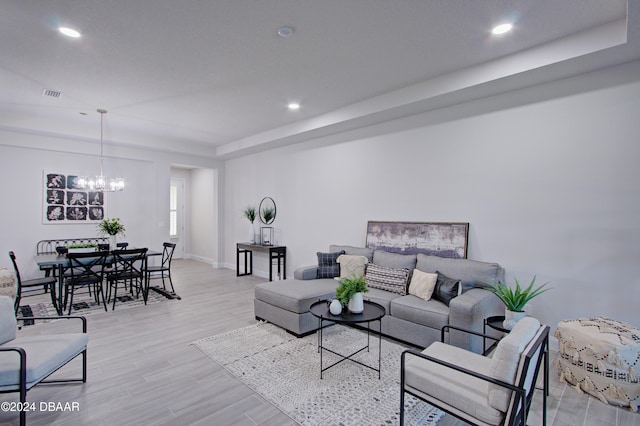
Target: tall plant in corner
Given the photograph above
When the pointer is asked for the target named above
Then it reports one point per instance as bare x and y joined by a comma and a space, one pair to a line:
515, 300
250, 213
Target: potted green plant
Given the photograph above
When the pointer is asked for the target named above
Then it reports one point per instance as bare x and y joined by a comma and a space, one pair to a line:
81, 247
515, 300
349, 293
112, 228
250, 213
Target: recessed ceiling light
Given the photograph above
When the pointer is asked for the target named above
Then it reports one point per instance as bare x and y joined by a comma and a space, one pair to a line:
285, 31
69, 32
502, 28
293, 106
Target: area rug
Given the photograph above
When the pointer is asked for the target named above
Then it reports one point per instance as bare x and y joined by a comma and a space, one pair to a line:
285, 370
84, 304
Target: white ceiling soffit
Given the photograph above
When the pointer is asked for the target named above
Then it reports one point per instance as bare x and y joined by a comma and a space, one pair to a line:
213, 79
456, 87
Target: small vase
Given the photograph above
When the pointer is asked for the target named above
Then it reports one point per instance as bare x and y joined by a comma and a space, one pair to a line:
356, 304
252, 233
113, 242
335, 307
511, 318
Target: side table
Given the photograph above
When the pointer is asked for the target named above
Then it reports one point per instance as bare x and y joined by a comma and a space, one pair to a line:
278, 253
495, 323
372, 312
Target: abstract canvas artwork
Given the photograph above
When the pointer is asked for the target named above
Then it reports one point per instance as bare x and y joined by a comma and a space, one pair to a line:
64, 202
442, 239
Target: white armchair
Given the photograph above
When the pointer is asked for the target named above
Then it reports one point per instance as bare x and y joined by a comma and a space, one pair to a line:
480, 390
26, 361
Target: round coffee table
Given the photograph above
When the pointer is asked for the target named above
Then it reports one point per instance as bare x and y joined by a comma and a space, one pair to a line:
372, 312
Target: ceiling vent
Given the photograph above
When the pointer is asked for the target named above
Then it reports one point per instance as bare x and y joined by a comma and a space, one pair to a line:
51, 93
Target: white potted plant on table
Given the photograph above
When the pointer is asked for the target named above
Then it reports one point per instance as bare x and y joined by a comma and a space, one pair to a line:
250, 213
515, 300
112, 228
350, 292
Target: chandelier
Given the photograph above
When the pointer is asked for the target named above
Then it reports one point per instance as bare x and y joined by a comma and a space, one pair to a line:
101, 182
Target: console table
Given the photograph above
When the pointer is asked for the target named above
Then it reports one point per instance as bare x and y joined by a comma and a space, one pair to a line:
278, 253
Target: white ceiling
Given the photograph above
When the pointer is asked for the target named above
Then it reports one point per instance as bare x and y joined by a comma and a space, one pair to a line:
213, 78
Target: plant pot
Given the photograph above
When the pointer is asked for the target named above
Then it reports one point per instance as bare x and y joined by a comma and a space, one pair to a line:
356, 304
511, 318
335, 307
252, 233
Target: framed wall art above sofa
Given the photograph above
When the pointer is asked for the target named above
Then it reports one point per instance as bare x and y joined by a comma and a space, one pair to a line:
443, 239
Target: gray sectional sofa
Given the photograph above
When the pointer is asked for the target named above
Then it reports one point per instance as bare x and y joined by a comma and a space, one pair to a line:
409, 318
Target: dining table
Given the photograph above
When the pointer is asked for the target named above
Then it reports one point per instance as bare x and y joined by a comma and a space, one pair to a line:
60, 262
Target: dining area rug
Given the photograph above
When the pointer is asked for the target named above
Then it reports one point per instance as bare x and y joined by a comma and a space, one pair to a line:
84, 304
285, 370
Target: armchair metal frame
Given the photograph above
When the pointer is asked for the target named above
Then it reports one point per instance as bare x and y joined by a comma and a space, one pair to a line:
522, 397
22, 387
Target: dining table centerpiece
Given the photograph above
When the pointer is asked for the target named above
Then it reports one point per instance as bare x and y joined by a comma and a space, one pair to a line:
111, 227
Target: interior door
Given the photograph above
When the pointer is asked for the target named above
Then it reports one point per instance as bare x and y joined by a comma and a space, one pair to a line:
176, 216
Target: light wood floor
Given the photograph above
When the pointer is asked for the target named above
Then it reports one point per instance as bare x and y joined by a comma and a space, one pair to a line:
142, 370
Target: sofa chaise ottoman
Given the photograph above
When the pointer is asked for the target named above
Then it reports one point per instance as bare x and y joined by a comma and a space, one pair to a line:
408, 318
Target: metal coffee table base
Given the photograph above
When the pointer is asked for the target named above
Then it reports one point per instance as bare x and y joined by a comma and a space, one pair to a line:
322, 348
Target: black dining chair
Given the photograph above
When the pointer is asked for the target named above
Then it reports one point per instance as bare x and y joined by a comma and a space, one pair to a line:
48, 284
163, 269
86, 270
128, 269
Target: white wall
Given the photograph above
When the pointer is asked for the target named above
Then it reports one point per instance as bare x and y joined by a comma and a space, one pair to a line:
203, 216
547, 177
143, 206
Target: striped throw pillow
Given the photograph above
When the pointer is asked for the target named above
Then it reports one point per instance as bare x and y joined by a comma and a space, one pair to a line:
388, 279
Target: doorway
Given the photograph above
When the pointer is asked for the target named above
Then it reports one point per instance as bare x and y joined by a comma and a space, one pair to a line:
176, 216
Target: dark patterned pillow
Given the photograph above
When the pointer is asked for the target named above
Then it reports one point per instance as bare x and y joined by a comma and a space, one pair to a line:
327, 265
388, 279
446, 288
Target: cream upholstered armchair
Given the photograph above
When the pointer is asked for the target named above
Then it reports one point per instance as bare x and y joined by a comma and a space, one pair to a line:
480, 390
28, 360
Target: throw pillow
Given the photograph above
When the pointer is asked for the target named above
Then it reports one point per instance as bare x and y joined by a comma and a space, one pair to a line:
327, 265
423, 284
351, 266
446, 288
388, 279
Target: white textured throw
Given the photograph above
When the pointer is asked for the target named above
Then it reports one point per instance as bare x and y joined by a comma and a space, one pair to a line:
601, 356
285, 370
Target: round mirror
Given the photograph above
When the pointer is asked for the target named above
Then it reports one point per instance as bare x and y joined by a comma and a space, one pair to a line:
267, 210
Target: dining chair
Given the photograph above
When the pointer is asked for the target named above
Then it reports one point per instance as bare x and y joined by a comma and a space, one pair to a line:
86, 270
163, 269
128, 268
48, 284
